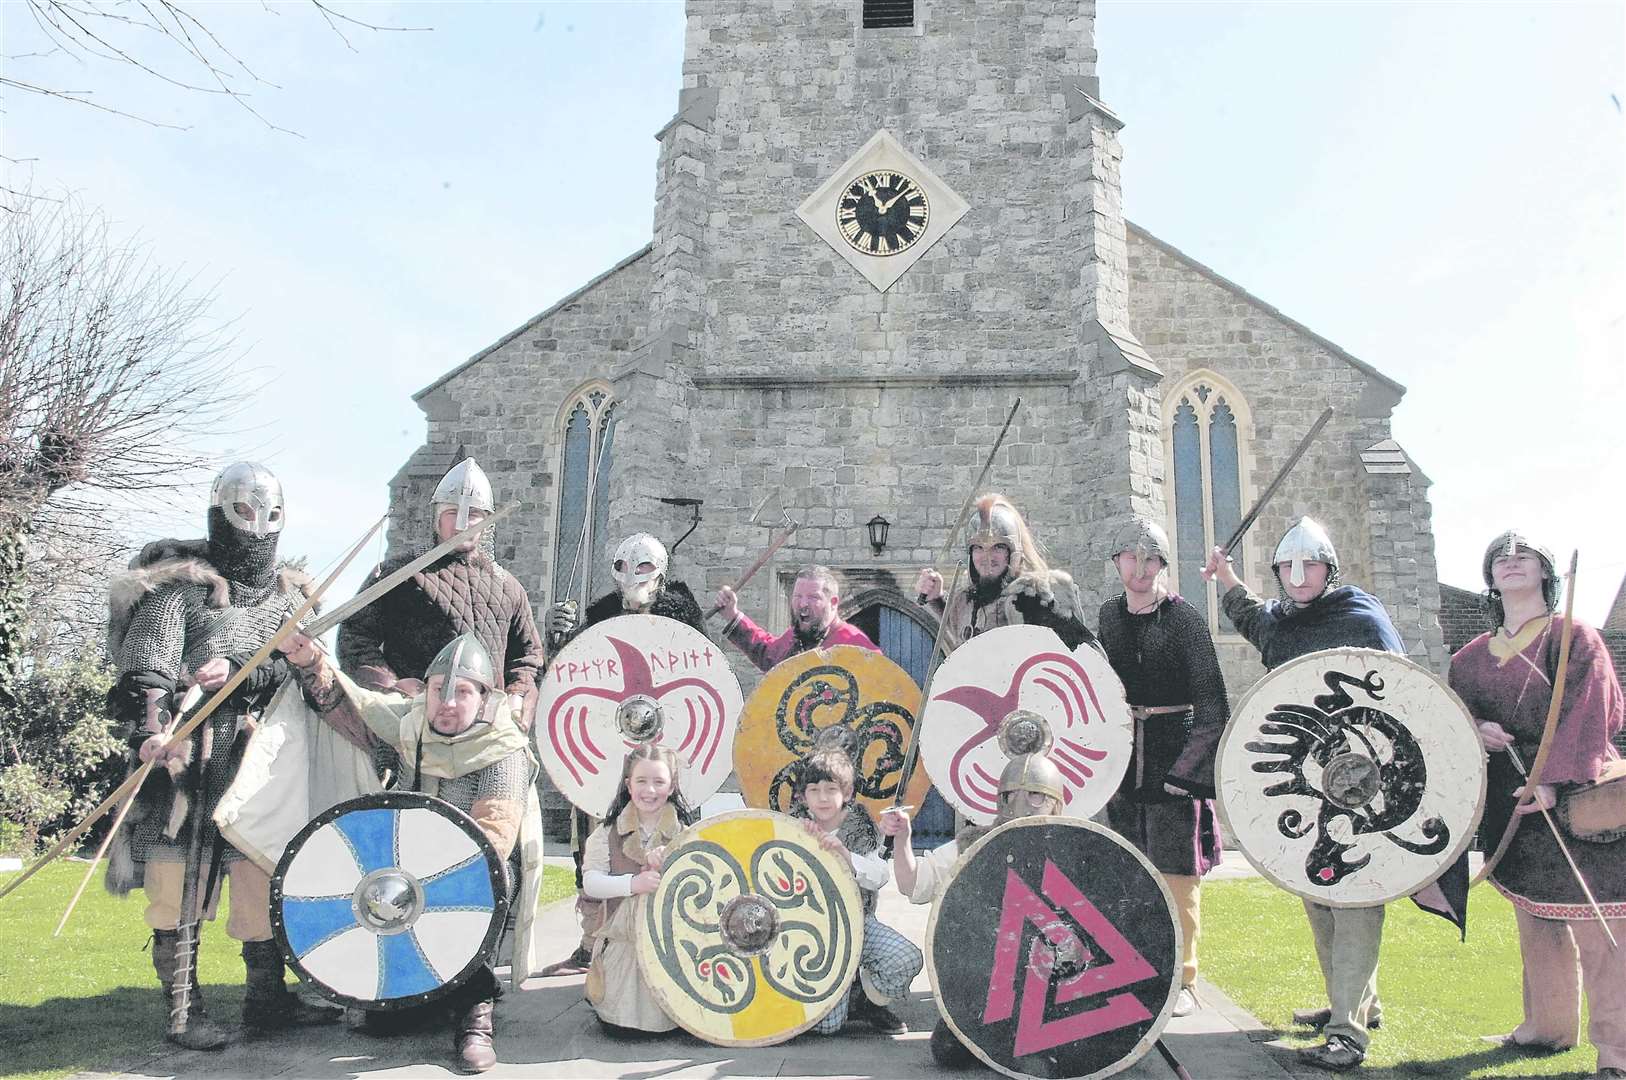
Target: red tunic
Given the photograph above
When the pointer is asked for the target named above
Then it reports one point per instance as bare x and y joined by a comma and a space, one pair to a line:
765, 650
1514, 691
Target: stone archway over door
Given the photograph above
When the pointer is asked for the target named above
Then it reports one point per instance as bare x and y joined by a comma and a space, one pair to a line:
905, 635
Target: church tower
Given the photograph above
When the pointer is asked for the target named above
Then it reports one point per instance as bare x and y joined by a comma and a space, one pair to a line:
877, 224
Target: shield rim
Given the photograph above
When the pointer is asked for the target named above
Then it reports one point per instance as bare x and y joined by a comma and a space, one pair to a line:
1144, 1045
1116, 684
392, 800
832, 656
855, 908
1465, 838
692, 791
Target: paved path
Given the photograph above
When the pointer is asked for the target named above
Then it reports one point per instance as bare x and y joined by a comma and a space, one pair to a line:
547, 1030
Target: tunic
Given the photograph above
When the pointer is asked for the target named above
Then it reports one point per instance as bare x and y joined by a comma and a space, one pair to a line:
764, 650
620, 996
1506, 680
1166, 658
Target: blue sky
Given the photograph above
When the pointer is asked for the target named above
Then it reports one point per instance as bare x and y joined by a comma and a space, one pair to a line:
1439, 188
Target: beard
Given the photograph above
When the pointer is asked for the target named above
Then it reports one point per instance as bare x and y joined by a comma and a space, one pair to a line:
985, 590
639, 597
807, 635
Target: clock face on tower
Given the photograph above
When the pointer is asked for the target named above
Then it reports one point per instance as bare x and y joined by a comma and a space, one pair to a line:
882, 212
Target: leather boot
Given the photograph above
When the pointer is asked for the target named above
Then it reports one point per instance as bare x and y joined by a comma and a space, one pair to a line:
200, 1033
268, 1004
472, 1039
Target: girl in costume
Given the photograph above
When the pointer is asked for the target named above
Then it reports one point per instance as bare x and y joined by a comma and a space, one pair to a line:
622, 859
1506, 679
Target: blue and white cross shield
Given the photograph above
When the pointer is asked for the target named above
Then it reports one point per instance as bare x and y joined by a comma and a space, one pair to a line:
389, 900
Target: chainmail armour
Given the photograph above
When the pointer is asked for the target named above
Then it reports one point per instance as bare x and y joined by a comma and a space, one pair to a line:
174, 630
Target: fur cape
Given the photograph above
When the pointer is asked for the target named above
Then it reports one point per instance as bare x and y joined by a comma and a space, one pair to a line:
167, 562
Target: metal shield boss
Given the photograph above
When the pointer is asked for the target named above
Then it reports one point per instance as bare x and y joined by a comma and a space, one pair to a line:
1351, 777
1054, 951
754, 932
1076, 695
388, 900
629, 680
846, 698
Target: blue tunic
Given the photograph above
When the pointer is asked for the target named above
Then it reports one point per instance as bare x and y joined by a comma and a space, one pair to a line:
1345, 617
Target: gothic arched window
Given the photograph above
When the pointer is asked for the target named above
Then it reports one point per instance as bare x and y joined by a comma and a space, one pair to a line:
1207, 427
587, 445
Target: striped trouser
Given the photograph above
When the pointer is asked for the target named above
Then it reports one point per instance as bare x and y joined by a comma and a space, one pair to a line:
887, 964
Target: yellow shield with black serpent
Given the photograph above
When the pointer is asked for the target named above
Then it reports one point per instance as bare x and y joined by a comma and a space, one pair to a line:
754, 932
846, 697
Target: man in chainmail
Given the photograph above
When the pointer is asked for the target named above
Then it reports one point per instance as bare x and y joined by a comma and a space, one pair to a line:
458, 741
1160, 647
194, 612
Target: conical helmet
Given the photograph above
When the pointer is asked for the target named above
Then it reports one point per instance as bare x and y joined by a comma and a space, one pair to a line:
1031, 772
1146, 539
997, 522
1514, 541
466, 487
1306, 541
464, 657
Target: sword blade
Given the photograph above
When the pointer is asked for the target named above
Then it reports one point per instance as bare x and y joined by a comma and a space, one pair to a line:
1292, 460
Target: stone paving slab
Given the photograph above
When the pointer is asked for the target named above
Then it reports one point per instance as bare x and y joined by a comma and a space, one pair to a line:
546, 1030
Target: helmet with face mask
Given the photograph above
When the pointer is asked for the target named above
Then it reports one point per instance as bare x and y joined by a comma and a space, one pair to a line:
1306, 541
638, 587
1145, 539
465, 487
997, 522
245, 520
464, 657
1024, 774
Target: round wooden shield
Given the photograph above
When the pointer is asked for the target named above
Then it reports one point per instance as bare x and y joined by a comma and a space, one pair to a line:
846, 697
754, 932
1054, 950
388, 900
1351, 777
1076, 693
633, 679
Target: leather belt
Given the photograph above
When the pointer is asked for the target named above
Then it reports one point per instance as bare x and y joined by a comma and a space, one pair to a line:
1141, 712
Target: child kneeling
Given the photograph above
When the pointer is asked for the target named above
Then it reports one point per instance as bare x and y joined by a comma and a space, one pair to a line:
622, 859
889, 961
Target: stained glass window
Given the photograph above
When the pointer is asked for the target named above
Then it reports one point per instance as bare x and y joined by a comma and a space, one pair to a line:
1207, 422
580, 559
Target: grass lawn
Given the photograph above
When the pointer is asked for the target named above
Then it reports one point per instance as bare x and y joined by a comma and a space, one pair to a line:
1439, 995
90, 996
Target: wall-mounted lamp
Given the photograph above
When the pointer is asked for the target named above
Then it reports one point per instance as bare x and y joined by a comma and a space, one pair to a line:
878, 527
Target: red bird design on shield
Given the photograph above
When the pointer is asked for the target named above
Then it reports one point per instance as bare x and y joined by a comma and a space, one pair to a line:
693, 715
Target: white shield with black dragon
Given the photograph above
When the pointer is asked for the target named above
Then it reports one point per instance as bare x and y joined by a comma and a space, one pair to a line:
1073, 710
629, 680
388, 900
1351, 777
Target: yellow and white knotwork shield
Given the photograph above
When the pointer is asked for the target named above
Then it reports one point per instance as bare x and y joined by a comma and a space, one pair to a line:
754, 932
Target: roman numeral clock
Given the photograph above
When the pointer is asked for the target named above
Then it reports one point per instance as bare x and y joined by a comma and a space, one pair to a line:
882, 210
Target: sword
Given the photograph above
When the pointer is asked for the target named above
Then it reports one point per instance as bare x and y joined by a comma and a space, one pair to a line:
322, 623
1580, 879
1293, 459
913, 753
203, 714
186, 942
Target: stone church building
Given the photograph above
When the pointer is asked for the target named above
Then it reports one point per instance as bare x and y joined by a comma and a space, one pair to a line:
877, 223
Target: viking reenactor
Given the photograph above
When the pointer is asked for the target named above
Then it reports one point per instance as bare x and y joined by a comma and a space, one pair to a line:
1160, 647
815, 621
1507, 678
1009, 582
1316, 612
195, 611
1030, 785
623, 859
458, 741
889, 961
387, 646
639, 568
